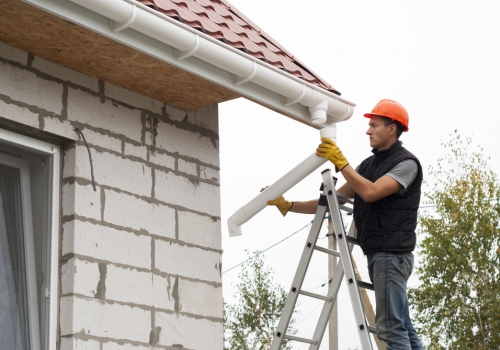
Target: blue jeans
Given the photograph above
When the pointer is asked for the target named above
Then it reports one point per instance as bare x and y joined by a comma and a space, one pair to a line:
389, 273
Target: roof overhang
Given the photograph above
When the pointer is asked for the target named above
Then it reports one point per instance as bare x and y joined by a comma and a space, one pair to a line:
186, 68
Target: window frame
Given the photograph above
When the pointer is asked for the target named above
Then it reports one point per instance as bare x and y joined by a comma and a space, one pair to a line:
54, 154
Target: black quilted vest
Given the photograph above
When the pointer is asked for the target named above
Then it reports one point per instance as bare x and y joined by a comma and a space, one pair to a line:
388, 225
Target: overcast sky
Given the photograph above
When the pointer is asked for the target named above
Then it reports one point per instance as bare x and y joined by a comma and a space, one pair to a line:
440, 59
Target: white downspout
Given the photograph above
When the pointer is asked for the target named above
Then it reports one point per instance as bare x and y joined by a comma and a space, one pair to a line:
286, 182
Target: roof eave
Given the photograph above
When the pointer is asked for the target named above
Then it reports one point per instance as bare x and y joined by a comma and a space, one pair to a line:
131, 23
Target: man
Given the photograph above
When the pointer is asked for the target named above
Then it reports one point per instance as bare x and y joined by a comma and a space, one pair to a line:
386, 191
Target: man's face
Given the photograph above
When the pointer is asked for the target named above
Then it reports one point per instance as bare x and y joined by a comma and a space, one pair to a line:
379, 134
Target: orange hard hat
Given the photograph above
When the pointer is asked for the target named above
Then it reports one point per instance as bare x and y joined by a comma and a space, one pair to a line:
392, 110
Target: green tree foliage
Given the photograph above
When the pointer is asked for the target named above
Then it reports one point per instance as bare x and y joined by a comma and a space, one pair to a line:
250, 324
457, 304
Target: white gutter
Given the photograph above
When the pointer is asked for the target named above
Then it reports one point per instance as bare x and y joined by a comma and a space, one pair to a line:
324, 106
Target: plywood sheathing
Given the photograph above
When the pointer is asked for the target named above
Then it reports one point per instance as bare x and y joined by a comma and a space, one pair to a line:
85, 51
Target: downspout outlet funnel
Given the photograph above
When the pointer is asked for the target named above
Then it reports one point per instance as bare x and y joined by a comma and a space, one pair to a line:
318, 112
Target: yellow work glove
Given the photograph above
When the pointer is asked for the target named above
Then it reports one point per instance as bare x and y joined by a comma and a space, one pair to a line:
281, 203
329, 150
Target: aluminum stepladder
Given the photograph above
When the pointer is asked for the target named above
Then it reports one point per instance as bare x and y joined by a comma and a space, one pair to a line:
328, 199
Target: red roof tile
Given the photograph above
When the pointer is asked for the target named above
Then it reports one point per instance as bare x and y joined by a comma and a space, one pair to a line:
220, 20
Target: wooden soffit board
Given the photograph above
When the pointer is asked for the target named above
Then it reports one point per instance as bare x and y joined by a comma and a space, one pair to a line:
75, 47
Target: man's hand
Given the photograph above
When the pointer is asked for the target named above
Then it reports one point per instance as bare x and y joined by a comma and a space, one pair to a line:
329, 150
281, 203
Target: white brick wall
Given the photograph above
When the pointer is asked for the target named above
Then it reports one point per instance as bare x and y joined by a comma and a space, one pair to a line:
132, 98
114, 171
141, 254
137, 287
188, 261
23, 115
80, 277
24, 86
79, 344
206, 118
13, 54
179, 330
187, 143
102, 140
200, 230
81, 200
194, 195
106, 243
200, 298
162, 159
64, 73
102, 319
129, 211
86, 108
207, 173
187, 167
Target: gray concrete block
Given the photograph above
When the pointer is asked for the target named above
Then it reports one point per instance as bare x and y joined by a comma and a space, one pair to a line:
14, 54
187, 261
106, 243
132, 98
191, 333
187, 143
129, 211
116, 119
200, 230
187, 193
100, 319
80, 277
65, 74
199, 298
207, 118
26, 87
79, 344
137, 287
19, 114
81, 200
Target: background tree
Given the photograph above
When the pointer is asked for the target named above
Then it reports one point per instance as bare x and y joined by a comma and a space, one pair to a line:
457, 303
250, 323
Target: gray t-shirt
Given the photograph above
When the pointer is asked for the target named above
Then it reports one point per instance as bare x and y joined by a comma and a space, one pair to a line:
404, 173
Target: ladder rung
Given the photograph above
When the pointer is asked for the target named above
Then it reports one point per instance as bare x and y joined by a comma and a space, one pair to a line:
372, 329
328, 251
345, 199
303, 340
352, 240
347, 209
317, 296
365, 285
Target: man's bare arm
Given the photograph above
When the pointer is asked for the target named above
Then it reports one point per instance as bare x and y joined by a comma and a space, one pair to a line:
370, 191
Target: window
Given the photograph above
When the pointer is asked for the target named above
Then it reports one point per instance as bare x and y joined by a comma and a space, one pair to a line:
29, 241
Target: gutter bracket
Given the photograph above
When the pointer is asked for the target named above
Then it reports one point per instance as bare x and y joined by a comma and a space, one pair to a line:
116, 27
239, 80
288, 101
180, 55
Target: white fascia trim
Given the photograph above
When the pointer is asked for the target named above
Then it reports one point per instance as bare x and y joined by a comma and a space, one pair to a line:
325, 107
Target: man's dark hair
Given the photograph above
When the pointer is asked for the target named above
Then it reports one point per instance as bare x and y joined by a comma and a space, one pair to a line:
399, 126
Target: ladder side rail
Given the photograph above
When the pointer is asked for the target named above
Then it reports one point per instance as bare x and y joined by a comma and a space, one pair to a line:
333, 291
305, 259
352, 285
